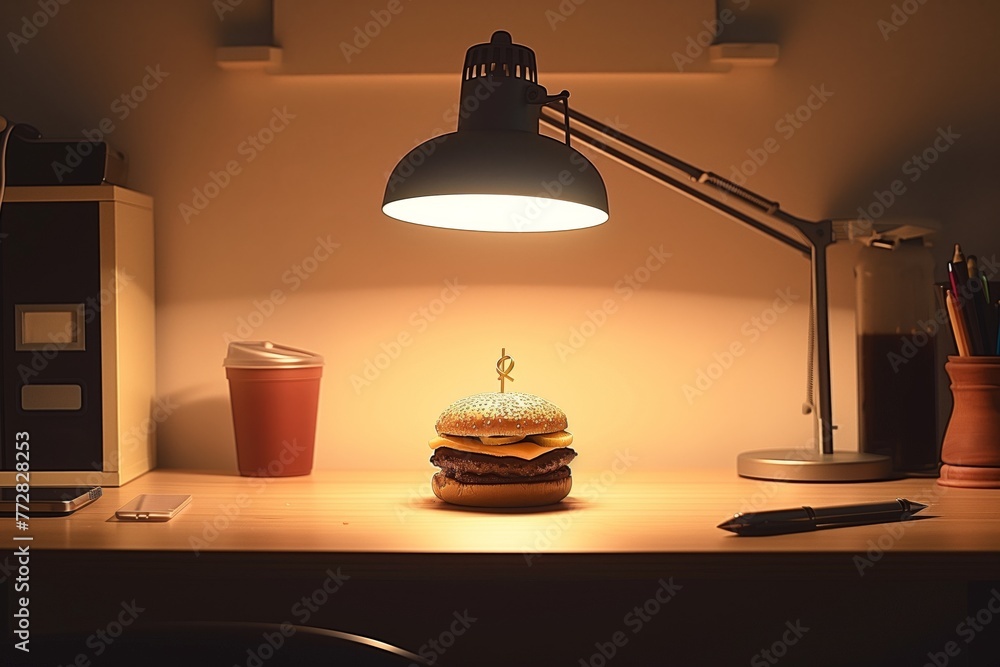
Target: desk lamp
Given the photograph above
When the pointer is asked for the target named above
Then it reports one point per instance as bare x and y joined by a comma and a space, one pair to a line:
498, 174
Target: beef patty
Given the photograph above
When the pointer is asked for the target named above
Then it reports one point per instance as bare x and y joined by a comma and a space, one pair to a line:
472, 468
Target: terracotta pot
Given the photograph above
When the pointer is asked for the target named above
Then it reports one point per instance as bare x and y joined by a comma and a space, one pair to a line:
971, 448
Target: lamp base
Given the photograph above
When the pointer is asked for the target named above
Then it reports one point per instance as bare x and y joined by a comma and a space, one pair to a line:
797, 465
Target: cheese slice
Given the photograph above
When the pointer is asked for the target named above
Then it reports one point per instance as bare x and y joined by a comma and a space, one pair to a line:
522, 450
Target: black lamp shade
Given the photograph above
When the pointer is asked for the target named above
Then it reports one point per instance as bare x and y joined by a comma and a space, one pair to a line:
497, 181
496, 173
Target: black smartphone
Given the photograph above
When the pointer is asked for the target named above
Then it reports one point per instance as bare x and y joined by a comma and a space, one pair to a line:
46, 500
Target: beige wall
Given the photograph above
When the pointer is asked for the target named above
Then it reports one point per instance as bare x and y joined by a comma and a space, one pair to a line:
323, 175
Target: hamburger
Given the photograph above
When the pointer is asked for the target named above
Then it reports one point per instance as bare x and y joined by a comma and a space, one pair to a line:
501, 449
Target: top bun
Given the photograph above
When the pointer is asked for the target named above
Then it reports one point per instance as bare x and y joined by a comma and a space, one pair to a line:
496, 413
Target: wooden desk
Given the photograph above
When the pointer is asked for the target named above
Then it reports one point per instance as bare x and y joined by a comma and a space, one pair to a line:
558, 583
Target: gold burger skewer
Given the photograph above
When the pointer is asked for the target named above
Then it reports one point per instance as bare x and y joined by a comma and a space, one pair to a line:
504, 372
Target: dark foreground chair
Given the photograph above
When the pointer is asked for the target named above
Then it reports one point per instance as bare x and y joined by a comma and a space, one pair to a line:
222, 644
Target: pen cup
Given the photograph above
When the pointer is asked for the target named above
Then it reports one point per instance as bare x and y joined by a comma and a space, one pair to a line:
971, 448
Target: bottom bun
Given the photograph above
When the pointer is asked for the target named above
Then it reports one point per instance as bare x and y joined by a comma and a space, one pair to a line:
531, 494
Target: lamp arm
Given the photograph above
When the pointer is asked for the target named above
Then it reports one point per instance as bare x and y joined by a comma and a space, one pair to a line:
600, 135
818, 234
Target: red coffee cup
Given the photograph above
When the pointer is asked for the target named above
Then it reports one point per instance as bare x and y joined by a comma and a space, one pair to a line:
274, 392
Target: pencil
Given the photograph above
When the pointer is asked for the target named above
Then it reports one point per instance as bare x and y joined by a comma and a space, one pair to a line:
958, 326
965, 305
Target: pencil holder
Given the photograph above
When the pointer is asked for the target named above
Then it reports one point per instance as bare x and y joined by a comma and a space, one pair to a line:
971, 448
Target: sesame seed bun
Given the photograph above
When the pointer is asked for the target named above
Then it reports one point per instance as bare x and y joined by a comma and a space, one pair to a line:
529, 494
496, 413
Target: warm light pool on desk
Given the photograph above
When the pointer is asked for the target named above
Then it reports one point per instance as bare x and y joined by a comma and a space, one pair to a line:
497, 173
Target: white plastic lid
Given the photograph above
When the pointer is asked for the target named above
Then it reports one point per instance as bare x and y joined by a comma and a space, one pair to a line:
265, 354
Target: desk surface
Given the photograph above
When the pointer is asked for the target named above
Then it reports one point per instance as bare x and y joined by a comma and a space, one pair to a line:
251, 549
627, 513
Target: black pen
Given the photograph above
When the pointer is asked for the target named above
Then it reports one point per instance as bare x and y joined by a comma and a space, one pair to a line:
801, 519
980, 300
